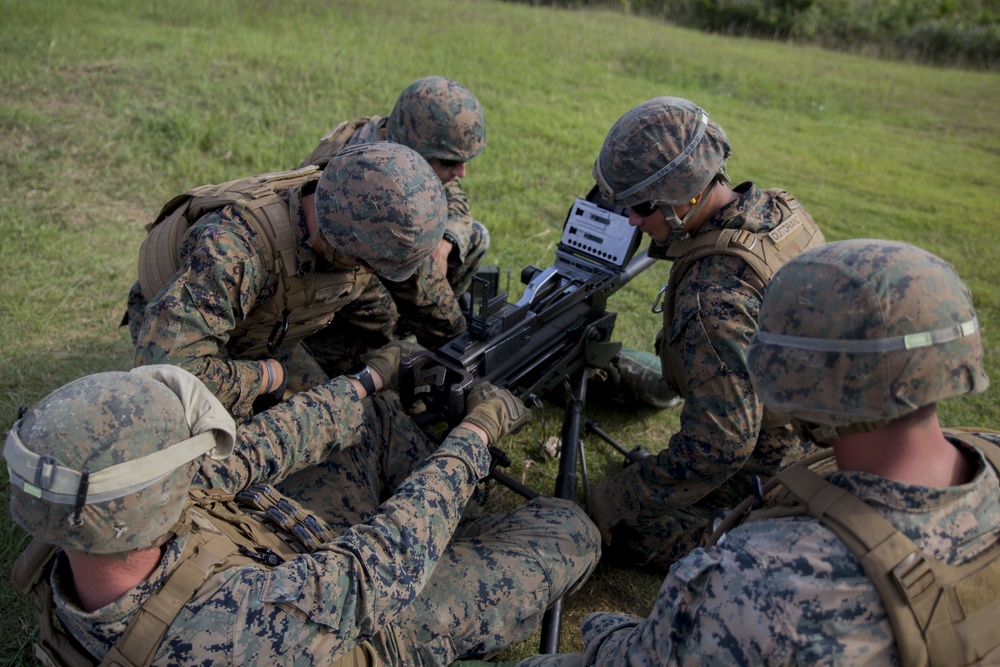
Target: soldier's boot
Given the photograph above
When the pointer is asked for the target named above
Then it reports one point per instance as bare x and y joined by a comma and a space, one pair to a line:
635, 374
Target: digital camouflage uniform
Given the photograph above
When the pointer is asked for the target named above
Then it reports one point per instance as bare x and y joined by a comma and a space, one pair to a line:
394, 576
200, 319
858, 342
788, 591
663, 154
376, 317
666, 502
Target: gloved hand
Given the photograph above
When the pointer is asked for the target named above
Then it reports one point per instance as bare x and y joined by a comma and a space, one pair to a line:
495, 410
386, 360
601, 512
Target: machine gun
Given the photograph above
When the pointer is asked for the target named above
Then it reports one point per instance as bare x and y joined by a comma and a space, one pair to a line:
558, 332
558, 327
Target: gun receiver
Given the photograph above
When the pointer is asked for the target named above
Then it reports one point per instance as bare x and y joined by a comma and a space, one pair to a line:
559, 325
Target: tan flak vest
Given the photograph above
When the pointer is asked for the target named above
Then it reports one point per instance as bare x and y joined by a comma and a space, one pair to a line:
221, 535
299, 306
344, 135
941, 615
764, 252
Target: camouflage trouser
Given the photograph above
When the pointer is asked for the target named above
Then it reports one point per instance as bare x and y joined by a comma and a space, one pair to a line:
347, 487
497, 575
374, 319
495, 581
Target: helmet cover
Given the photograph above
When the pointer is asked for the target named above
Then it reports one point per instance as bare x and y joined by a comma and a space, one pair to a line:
439, 119
665, 150
131, 434
854, 334
381, 203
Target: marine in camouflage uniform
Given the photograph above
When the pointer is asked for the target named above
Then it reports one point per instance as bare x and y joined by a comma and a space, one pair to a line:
665, 159
376, 208
396, 577
444, 122
788, 591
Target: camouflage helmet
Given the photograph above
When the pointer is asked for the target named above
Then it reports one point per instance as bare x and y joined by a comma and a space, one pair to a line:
438, 118
665, 151
381, 203
856, 333
104, 463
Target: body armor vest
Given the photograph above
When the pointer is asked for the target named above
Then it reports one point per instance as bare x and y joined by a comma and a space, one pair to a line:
764, 252
941, 615
258, 526
360, 131
299, 306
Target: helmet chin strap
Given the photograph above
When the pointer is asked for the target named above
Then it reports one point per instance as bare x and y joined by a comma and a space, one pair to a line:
677, 224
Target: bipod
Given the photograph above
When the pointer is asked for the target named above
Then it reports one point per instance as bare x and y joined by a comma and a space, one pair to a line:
499, 459
569, 458
633, 455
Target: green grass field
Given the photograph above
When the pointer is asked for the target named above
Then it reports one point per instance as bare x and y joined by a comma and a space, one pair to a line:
109, 108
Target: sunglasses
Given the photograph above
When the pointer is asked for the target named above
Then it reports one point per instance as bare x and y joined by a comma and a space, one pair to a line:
644, 209
449, 164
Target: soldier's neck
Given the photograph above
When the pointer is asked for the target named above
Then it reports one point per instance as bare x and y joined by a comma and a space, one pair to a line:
99, 580
910, 450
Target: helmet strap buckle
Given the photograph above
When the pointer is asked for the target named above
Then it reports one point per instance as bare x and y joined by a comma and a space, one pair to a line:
45, 473
81, 496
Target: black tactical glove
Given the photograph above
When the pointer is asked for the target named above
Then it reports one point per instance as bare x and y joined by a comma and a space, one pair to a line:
495, 410
386, 361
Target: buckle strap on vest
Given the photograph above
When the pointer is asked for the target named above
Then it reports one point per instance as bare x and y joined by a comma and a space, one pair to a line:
940, 614
144, 635
881, 549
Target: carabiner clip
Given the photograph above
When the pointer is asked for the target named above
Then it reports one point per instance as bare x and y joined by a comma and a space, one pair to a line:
758, 493
278, 332
657, 308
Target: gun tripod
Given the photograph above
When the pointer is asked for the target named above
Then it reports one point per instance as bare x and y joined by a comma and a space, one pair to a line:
570, 458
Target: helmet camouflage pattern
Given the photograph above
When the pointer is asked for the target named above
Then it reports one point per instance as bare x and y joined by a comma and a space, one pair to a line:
104, 463
854, 334
438, 118
665, 150
382, 203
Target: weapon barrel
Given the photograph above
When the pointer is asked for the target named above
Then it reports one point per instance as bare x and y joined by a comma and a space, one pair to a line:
639, 263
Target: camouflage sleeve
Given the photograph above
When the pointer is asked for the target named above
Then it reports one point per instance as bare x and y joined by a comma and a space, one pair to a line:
715, 317
312, 609
222, 278
459, 227
712, 609
427, 305
295, 434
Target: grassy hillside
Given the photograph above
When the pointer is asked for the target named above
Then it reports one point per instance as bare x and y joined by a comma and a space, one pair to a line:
109, 108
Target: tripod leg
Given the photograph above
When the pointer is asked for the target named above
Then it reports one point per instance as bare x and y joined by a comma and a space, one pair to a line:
566, 488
